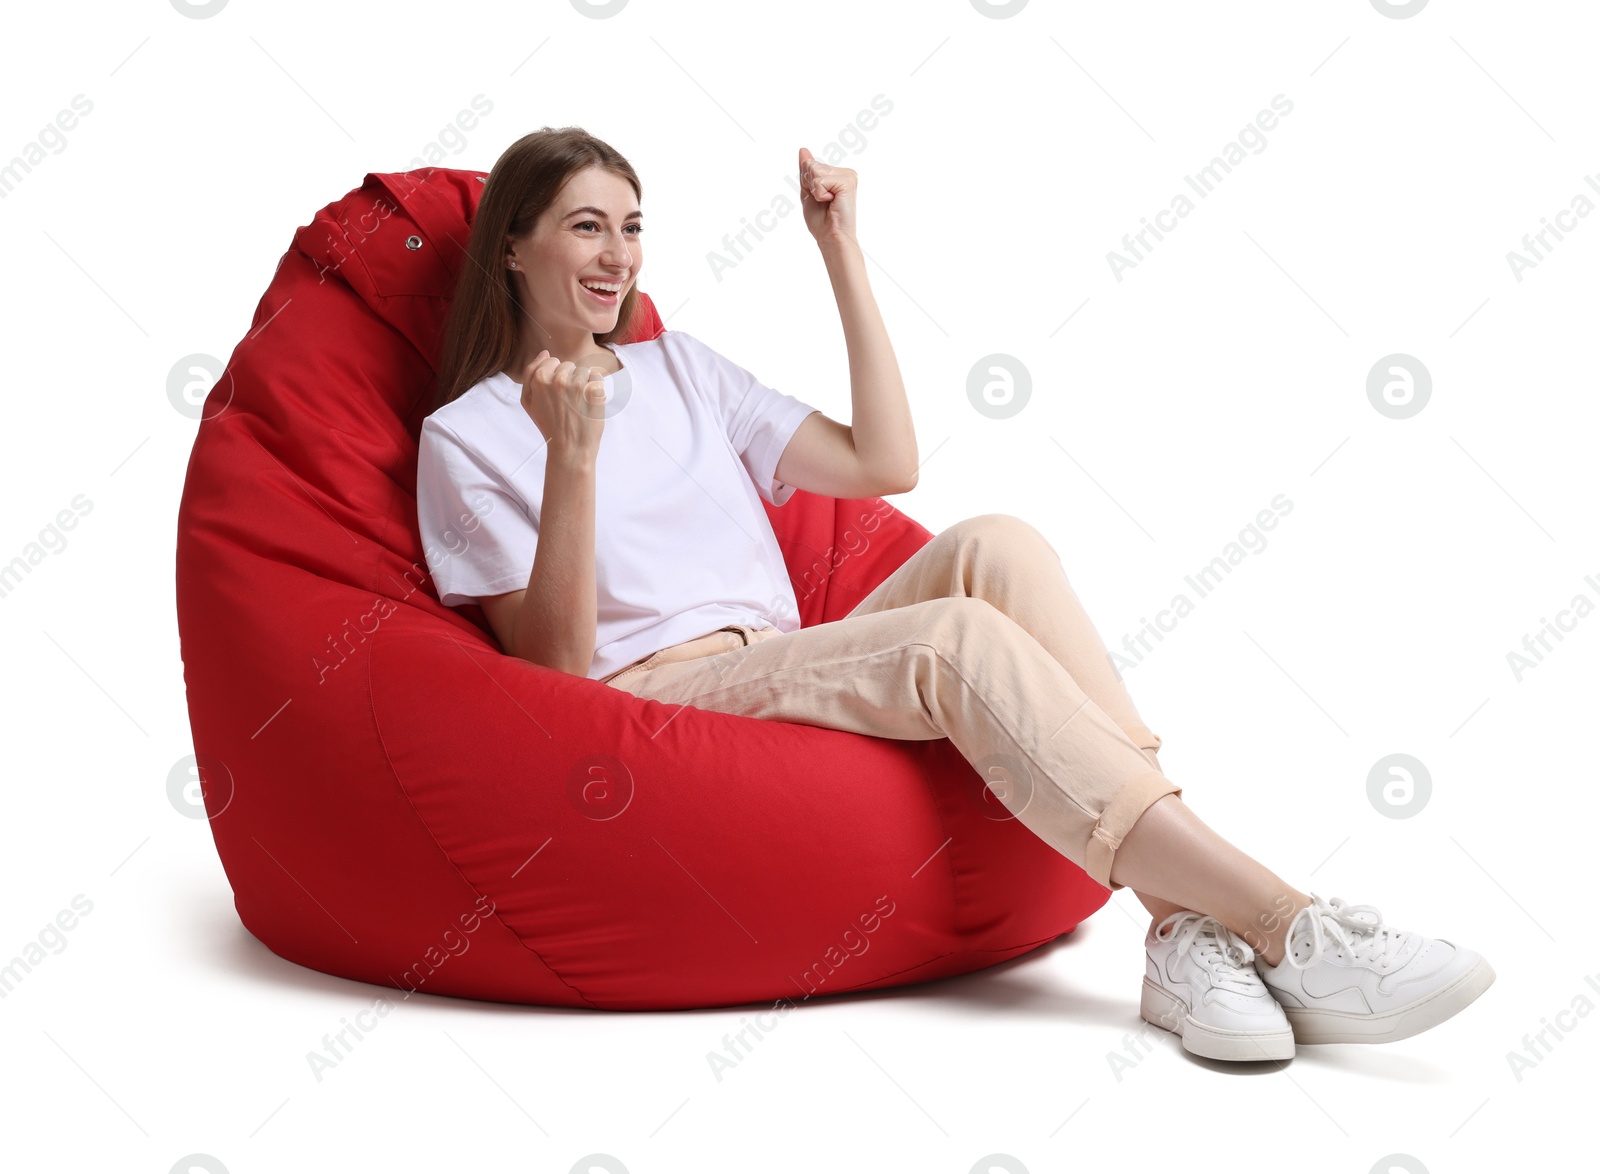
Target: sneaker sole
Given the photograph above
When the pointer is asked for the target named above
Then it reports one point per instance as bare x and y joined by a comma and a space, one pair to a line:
1165, 1010
1313, 1026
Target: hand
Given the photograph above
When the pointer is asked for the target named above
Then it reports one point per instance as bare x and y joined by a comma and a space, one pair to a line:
828, 199
567, 403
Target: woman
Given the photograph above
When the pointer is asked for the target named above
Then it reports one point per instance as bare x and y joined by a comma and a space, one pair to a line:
978, 637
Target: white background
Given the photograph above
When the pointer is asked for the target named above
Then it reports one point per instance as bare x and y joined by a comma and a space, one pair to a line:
1167, 409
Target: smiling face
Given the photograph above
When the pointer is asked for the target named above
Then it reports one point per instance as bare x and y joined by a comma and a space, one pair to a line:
590, 235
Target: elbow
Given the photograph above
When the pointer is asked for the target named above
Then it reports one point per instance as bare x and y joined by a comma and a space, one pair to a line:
905, 484
882, 482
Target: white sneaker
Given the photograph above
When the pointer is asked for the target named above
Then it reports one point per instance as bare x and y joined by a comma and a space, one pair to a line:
1199, 983
1348, 978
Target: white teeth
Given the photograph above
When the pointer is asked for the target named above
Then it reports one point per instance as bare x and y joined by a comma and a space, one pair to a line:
602, 286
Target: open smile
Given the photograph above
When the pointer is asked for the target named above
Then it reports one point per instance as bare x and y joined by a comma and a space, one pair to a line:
604, 296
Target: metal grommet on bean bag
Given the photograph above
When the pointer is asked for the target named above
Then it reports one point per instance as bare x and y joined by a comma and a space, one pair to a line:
412, 808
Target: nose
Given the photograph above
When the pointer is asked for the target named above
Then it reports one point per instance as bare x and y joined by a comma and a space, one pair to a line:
617, 255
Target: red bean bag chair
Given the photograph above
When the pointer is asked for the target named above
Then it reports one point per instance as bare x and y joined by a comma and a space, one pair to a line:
395, 800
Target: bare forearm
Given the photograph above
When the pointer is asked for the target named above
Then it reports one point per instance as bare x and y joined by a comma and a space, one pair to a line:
880, 421
556, 623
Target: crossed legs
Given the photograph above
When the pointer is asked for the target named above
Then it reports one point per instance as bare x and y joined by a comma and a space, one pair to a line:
1170, 858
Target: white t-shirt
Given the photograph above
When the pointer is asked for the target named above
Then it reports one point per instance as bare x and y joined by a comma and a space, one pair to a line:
682, 544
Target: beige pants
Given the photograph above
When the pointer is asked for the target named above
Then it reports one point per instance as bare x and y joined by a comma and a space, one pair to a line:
979, 638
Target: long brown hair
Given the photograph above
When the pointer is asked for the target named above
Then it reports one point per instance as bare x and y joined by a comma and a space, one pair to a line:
484, 325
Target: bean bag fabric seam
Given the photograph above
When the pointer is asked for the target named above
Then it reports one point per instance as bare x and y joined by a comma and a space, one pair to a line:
399, 782
957, 888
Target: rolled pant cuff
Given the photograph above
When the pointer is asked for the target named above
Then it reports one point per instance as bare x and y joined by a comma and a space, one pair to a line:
1119, 816
1144, 737
1148, 742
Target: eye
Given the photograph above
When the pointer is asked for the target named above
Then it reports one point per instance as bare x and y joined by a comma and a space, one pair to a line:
637, 228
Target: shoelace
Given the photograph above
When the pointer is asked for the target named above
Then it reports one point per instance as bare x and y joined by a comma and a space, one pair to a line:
1224, 955
1363, 937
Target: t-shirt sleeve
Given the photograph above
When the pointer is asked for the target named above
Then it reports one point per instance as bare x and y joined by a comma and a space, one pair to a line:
759, 420
477, 535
